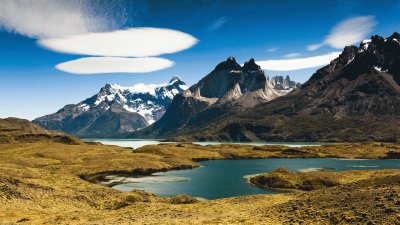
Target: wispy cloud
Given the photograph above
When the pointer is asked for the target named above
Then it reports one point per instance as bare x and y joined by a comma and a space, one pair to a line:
314, 47
347, 32
48, 18
134, 42
292, 55
98, 65
272, 49
218, 23
298, 63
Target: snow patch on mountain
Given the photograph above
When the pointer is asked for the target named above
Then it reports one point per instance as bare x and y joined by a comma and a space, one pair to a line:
148, 100
115, 109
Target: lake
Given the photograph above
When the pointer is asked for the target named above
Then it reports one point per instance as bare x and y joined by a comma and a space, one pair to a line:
226, 178
136, 143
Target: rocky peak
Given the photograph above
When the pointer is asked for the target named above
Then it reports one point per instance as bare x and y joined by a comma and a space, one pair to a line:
175, 79
107, 88
381, 55
395, 35
283, 83
251, 66
227, 74
229, 64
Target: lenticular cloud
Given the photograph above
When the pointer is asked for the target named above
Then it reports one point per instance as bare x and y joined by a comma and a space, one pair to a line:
87, 28
134, 42
298, 63
97, 65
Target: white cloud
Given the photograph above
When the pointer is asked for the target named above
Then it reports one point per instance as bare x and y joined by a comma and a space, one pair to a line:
272, 49
347, 32
292, 55
314, 47
97, 65
219, 23
134, 42
47, 18
298, 63
350, 31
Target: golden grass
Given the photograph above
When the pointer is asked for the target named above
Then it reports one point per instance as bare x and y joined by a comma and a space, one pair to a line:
40, 183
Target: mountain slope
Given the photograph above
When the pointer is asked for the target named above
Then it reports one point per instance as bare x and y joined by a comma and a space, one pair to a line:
355, 98
115, 110
228, 89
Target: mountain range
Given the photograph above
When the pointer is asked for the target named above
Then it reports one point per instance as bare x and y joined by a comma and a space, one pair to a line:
115, 110
354, 98
227, 90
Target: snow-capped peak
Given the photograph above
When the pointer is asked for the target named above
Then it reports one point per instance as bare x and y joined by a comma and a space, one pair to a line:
148, 100
174, 79
145, 88
364, 45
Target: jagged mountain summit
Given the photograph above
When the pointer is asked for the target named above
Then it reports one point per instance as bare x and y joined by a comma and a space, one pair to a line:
354, 98
115, 110
284, 83
228, 89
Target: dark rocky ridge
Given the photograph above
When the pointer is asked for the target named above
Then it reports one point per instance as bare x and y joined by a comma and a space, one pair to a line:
354, 98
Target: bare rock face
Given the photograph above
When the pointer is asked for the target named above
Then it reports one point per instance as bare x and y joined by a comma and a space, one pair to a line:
354, 98
115, 110
284, 83
228, 89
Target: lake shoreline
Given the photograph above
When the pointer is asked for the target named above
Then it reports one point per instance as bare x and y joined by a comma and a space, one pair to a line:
54, 181
236, 152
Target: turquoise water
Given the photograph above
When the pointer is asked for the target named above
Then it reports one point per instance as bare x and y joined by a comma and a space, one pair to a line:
136, 143
226, 178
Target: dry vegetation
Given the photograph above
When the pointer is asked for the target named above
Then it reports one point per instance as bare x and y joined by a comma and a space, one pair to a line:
282, 178
41, 183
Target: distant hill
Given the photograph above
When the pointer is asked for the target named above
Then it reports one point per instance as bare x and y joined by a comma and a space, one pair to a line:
115, 110
20, 130
354, 98
229, 89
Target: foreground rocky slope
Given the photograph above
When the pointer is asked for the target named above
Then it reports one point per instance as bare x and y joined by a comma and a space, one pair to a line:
228, 89
115, 110
354, 98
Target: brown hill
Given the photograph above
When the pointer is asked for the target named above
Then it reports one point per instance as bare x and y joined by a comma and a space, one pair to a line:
20, 130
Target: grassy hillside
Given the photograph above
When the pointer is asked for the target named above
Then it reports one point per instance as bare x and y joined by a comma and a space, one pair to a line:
41, 183
19, 130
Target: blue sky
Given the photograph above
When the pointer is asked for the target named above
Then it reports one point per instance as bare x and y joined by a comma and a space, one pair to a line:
31, 86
